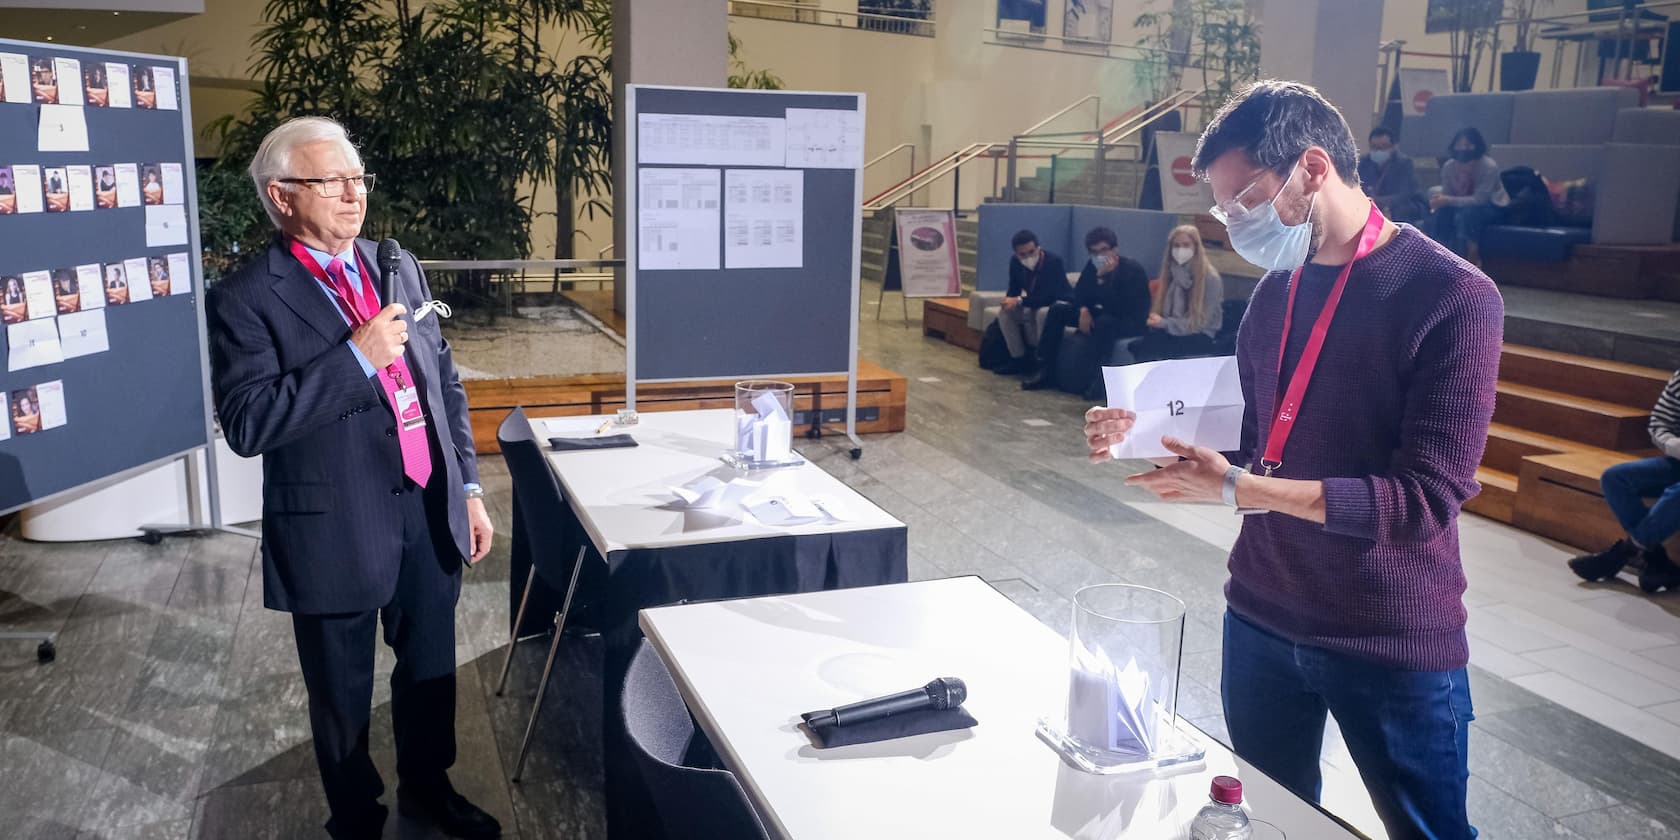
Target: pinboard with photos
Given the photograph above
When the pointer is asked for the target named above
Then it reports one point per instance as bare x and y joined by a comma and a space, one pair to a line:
99, 279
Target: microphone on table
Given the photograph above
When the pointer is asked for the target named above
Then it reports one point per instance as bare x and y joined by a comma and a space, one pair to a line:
390, 260
939, 695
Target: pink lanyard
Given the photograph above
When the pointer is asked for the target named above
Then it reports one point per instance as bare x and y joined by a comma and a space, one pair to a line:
369, 302
1290, 405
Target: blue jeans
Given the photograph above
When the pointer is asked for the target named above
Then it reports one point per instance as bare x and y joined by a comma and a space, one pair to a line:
1458, 227
1408, 731
1627, 486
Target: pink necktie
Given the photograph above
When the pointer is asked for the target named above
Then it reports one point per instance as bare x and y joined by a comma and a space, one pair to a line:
416, 454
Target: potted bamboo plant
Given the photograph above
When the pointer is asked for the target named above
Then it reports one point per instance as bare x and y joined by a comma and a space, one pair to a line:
1519, 68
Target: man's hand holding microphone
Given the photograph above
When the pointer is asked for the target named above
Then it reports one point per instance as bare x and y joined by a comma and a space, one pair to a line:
381, 340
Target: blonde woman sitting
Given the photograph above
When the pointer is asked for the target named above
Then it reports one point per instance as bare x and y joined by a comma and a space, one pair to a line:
1187, 311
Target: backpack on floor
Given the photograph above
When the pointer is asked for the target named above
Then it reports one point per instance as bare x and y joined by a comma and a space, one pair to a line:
994, 351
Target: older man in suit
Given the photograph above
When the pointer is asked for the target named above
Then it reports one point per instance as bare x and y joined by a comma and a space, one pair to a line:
370, 497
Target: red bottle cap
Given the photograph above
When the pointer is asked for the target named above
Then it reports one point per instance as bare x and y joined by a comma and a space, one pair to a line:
1226, 790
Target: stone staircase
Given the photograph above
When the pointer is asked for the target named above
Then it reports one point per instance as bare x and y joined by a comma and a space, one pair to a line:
1074, 182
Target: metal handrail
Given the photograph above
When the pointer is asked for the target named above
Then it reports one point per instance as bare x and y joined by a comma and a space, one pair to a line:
921, 180
893, 151
1084, 42
1053, 117
1115, 136
602, 253
889, 24
515, 265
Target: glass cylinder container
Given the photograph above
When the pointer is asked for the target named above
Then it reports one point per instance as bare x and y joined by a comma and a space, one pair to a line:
763, 424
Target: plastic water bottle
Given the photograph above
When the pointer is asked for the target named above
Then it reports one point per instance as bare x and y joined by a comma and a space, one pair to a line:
1223, 818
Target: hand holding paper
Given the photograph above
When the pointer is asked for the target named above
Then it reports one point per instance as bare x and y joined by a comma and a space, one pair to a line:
1199, 401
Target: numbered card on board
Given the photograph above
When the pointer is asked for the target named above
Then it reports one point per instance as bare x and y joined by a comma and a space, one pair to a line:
1196, 400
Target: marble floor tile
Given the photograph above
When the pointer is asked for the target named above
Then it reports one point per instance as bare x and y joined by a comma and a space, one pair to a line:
1529, 780
1623, 823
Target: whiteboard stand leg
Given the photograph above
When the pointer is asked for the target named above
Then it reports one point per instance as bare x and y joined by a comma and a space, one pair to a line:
197, 521
851, 408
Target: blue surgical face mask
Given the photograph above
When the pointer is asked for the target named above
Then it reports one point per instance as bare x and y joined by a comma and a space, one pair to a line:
1100, 262
1262, 238
1380, 156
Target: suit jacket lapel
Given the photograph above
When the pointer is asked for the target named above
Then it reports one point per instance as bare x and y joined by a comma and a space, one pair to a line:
299, 290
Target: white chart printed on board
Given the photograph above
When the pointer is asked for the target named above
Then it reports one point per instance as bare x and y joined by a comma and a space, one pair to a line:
53, 411
27, 178
173, 189
91, 282
180, 274
710, 140
139, 283
764, 218
14, 77
128, 184
119, 87
69, 72
824, 138
677, 220
164, 77
81, 187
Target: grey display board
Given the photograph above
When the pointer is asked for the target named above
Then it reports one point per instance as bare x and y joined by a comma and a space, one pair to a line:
720, 322
140, 401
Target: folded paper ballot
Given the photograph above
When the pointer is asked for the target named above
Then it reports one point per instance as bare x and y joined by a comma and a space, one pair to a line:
1194, 400
1109, 707
709, 493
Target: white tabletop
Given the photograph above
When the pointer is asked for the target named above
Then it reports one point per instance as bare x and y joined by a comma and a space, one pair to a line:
623, 496
748, 668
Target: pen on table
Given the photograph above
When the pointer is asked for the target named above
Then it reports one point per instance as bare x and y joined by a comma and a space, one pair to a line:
605, 425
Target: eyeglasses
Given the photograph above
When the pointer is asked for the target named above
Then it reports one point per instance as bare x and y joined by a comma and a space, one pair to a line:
334, 187
1235, 208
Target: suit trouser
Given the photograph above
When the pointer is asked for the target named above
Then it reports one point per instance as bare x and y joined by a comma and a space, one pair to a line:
1021, 328
336, 653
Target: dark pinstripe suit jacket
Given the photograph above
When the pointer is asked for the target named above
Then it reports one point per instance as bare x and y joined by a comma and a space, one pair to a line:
288, 388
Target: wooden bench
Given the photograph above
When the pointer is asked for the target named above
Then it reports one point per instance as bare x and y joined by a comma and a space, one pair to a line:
947, 318
881, 396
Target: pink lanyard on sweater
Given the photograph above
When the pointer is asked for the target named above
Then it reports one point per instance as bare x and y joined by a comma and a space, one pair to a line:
1289, 406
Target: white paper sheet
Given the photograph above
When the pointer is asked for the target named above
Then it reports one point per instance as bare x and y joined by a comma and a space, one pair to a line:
764, 218
710, 493
180, 274
677, 224
33, 343
823, 138
69, 72
164, 77
1195, 400
63, 128
128, 184
83, 333
81, 187
781, 511
14, 77
117, 82
166, 225
37, 287
139, 287
173, 192
51, 395
718, 141
27, 178
92, 284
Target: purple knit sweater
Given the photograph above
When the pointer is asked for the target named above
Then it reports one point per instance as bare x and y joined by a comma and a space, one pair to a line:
1394, 424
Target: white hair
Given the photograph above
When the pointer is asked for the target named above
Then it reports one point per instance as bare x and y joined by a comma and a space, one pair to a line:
274, 157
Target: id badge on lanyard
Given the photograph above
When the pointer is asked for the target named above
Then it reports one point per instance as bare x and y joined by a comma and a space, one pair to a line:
1289, 404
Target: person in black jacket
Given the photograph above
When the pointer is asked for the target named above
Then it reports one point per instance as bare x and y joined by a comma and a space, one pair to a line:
1390, 181
1037, 279
1110, 302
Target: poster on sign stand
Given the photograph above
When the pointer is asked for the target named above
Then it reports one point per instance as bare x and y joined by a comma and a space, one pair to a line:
1181, 190
927, 253
1418, 84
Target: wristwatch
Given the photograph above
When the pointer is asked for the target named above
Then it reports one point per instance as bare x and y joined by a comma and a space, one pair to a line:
1229, 492
474, 491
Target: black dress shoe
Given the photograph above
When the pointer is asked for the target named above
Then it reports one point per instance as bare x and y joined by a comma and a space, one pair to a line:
1605, 564
1013, 367
1660, 572
449, 812
1044, 379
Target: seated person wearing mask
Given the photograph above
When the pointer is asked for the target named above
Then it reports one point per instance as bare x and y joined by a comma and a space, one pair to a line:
1471, 196
1037, 279
1110, 302
1627, 486
1389, 179
1187, 312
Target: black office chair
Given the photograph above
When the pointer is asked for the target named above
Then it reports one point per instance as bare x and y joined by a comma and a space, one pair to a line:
541, 509
694, 803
